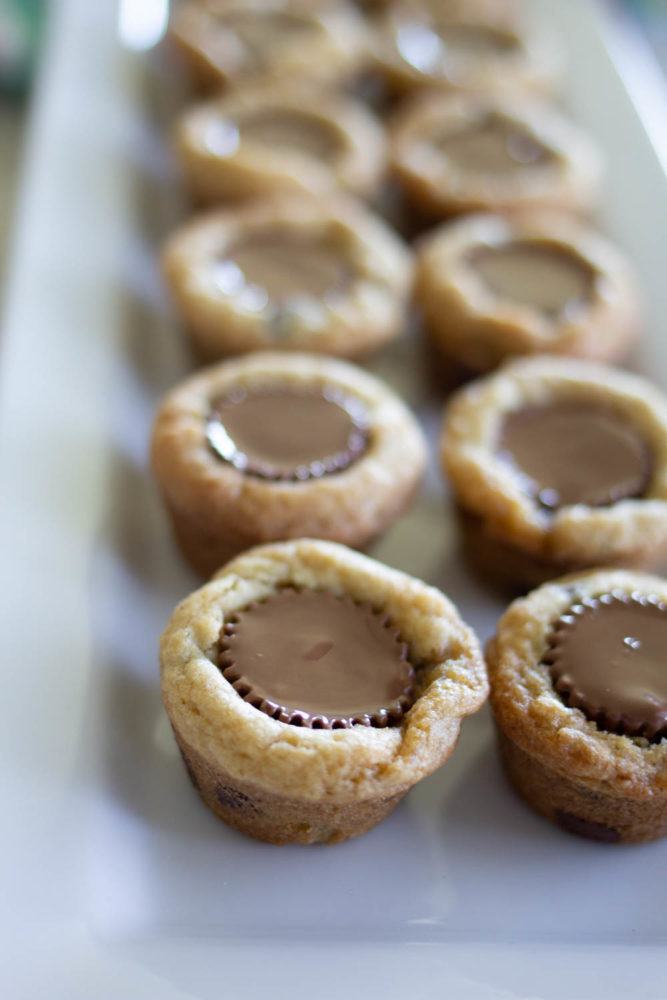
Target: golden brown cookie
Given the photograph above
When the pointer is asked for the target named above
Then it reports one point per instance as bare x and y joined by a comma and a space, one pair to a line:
558, 465
286, 137
228, 42
274, 446
290, 754
579, 695
290, 273
492, 287
452, 48
491, 153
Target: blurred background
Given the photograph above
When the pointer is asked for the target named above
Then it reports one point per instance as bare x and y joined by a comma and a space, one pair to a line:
24, 26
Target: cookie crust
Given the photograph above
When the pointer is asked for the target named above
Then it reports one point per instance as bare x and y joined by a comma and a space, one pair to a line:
369, 313
631, 532
616, 782
439, 188
326, 772
257, 168
217, 511
479, 328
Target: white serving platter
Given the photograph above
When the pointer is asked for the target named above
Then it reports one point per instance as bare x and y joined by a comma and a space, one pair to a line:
116, 881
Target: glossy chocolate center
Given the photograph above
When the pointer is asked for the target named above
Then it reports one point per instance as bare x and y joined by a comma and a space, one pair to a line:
258, 31
444, 49
549, 278
608, 657
287, 432
572, 452
278, 265
293, 130
494, 145
314, 659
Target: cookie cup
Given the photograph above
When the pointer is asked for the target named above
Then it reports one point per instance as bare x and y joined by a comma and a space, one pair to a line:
588, 781
285, 784
508, 536
479, 328
368, 313
217, 510
437, 187
327, 43
220, 164
526, 60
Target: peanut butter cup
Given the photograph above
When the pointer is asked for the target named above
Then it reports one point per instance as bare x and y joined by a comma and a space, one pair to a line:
272, 446
572, 453
311, 658
279, 432
310, 687
558, 465
265, 139
493, 144
492, 287
291, 272
543, 276
579, 693
456, 154
608, 657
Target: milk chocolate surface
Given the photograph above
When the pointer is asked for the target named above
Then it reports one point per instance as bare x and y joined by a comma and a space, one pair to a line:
314, 659
257, 31
549, 278
445, 49
283, 431
283, 264
608, 657
292, 130
494, 145
571, 452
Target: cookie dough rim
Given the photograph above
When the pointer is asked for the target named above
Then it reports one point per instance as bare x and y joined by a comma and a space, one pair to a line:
447, 286
255, 169
428, 177
187, 468
343, 765
535, 68
490, 488
531, 714
356, 323
342, 43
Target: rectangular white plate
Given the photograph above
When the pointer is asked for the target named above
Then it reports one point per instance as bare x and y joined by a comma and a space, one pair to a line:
116, 881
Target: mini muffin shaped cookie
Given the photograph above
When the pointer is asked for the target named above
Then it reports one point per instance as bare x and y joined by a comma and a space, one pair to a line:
427, 45
310, 687
269, 447
492, 287
454, 154
579, 694
269, 138
227, 42
558, 465
289, 273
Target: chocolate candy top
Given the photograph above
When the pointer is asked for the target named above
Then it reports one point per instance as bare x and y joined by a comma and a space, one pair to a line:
282, 431
313, 659
256, 32
446, 49
547, 277
571, 452
275, 265
608, 657
494, 144
294, 130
